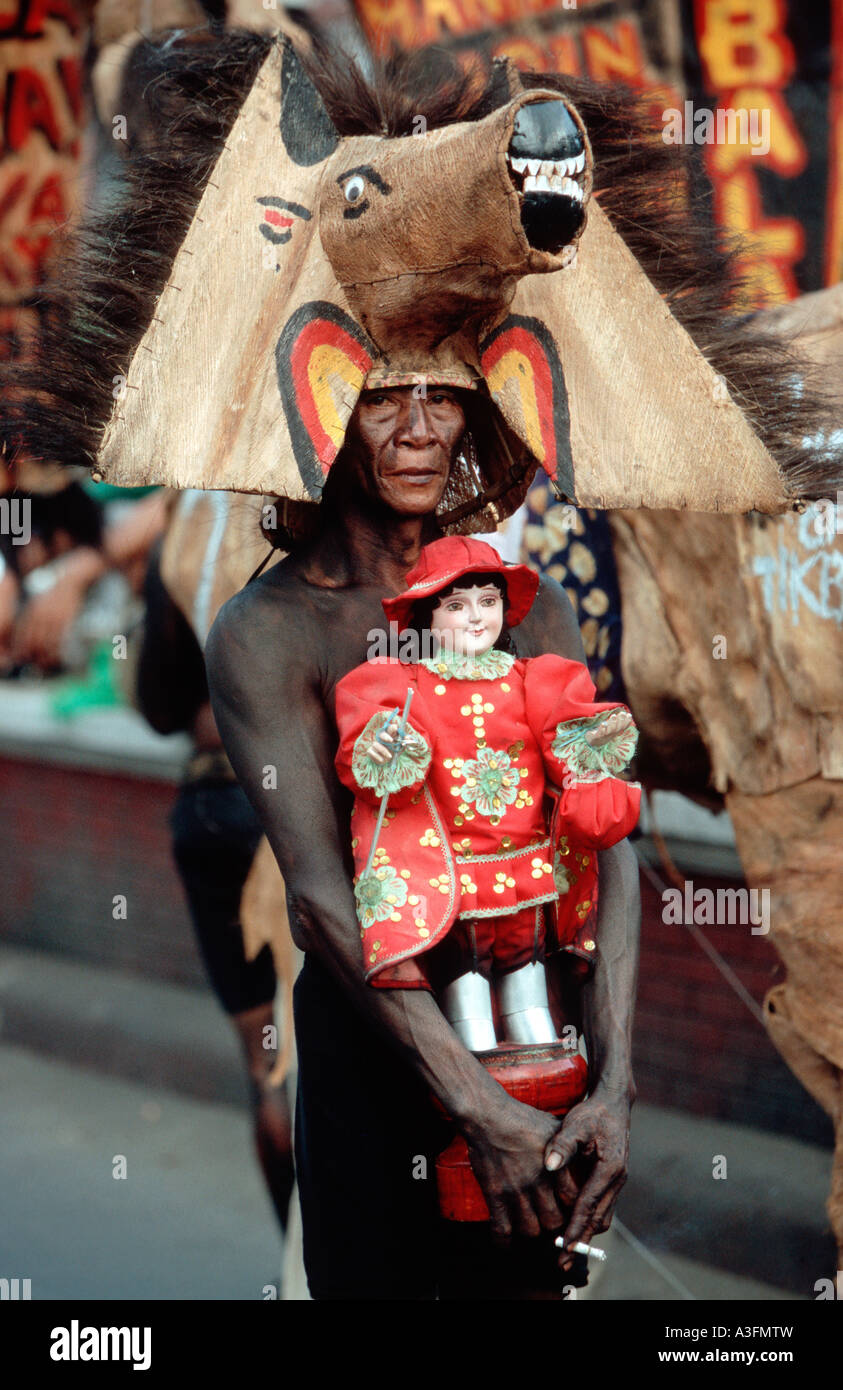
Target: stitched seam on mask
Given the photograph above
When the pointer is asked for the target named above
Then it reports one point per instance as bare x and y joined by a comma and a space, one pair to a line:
516, 227
515, 269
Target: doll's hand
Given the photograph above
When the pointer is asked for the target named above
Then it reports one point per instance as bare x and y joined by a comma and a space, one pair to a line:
617, 722
382, 750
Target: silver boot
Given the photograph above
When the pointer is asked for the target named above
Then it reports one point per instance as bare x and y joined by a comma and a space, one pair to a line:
524, 1007
467, 1005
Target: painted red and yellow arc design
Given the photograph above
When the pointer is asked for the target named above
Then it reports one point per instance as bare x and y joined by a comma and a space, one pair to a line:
327, 365
520, 378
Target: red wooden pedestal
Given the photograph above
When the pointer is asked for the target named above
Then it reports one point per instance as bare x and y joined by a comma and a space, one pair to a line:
548, 1077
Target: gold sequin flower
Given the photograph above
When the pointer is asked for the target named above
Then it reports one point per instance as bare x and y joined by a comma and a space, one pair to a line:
378, 894
490, 781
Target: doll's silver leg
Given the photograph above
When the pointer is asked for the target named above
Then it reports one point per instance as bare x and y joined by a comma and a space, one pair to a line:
523, 1004
467, 1004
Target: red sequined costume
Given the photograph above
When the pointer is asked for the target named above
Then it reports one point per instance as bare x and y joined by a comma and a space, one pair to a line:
497, 803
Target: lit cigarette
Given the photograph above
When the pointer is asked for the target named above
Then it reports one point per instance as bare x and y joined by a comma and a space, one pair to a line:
580, 1248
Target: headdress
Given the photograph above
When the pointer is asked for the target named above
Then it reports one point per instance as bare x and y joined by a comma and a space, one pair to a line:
281, 255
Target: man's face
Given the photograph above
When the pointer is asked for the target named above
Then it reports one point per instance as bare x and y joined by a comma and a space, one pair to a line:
403, 444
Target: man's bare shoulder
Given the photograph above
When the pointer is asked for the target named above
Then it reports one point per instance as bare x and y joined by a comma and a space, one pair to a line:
265, 628
551, 625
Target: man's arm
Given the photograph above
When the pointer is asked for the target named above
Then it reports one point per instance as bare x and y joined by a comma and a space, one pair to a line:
267, 701
599, 1126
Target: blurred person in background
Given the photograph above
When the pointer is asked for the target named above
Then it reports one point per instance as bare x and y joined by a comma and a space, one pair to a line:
215, 836
63, 538
74, 585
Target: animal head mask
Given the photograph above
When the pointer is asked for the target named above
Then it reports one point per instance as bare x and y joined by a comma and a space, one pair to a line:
316, 265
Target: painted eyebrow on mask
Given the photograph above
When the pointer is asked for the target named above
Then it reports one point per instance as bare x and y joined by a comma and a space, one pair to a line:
295, 208
371, 174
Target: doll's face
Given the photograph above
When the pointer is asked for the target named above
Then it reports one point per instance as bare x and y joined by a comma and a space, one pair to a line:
469, 621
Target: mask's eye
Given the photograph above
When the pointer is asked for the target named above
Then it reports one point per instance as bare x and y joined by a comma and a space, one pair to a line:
354, 188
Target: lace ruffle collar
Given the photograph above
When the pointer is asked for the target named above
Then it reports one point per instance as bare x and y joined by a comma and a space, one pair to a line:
490, 665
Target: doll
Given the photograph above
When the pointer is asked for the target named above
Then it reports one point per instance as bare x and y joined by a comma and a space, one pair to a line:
501, 790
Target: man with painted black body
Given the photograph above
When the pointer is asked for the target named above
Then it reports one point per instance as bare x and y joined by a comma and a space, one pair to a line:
371, 1058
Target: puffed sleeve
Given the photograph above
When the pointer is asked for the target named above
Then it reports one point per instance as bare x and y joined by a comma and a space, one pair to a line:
367, 699
595, 804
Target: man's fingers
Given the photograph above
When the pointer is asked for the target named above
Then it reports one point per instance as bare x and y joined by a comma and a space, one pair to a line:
499, 1219
567, 1191
604, 1211
558, 1154
526, 1221
561, 1149
546, 1207
599, 1193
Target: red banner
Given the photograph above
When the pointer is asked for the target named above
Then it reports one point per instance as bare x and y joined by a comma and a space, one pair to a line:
41, 45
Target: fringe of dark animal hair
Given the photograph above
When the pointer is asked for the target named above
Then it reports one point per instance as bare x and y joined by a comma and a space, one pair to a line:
183, 94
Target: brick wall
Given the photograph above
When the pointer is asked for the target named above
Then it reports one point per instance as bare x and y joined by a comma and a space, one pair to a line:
696, 1044
73, 839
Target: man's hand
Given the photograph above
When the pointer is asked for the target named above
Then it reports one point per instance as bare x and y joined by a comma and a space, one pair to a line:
598, 1130
508, 1160
43, 625
9, 598
45, 619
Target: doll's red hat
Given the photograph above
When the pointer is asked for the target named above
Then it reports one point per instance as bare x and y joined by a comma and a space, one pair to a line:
444, 561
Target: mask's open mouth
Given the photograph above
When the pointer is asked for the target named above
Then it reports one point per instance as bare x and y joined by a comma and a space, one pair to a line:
547, 164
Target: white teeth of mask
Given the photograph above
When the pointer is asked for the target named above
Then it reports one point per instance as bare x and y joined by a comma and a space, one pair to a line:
549, 176
541, 184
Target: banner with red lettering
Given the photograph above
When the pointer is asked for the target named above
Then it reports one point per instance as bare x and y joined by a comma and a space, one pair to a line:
41, 79
757, 83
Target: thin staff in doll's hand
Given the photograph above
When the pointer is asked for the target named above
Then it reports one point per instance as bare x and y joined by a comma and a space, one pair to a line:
399, 739
382, 749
